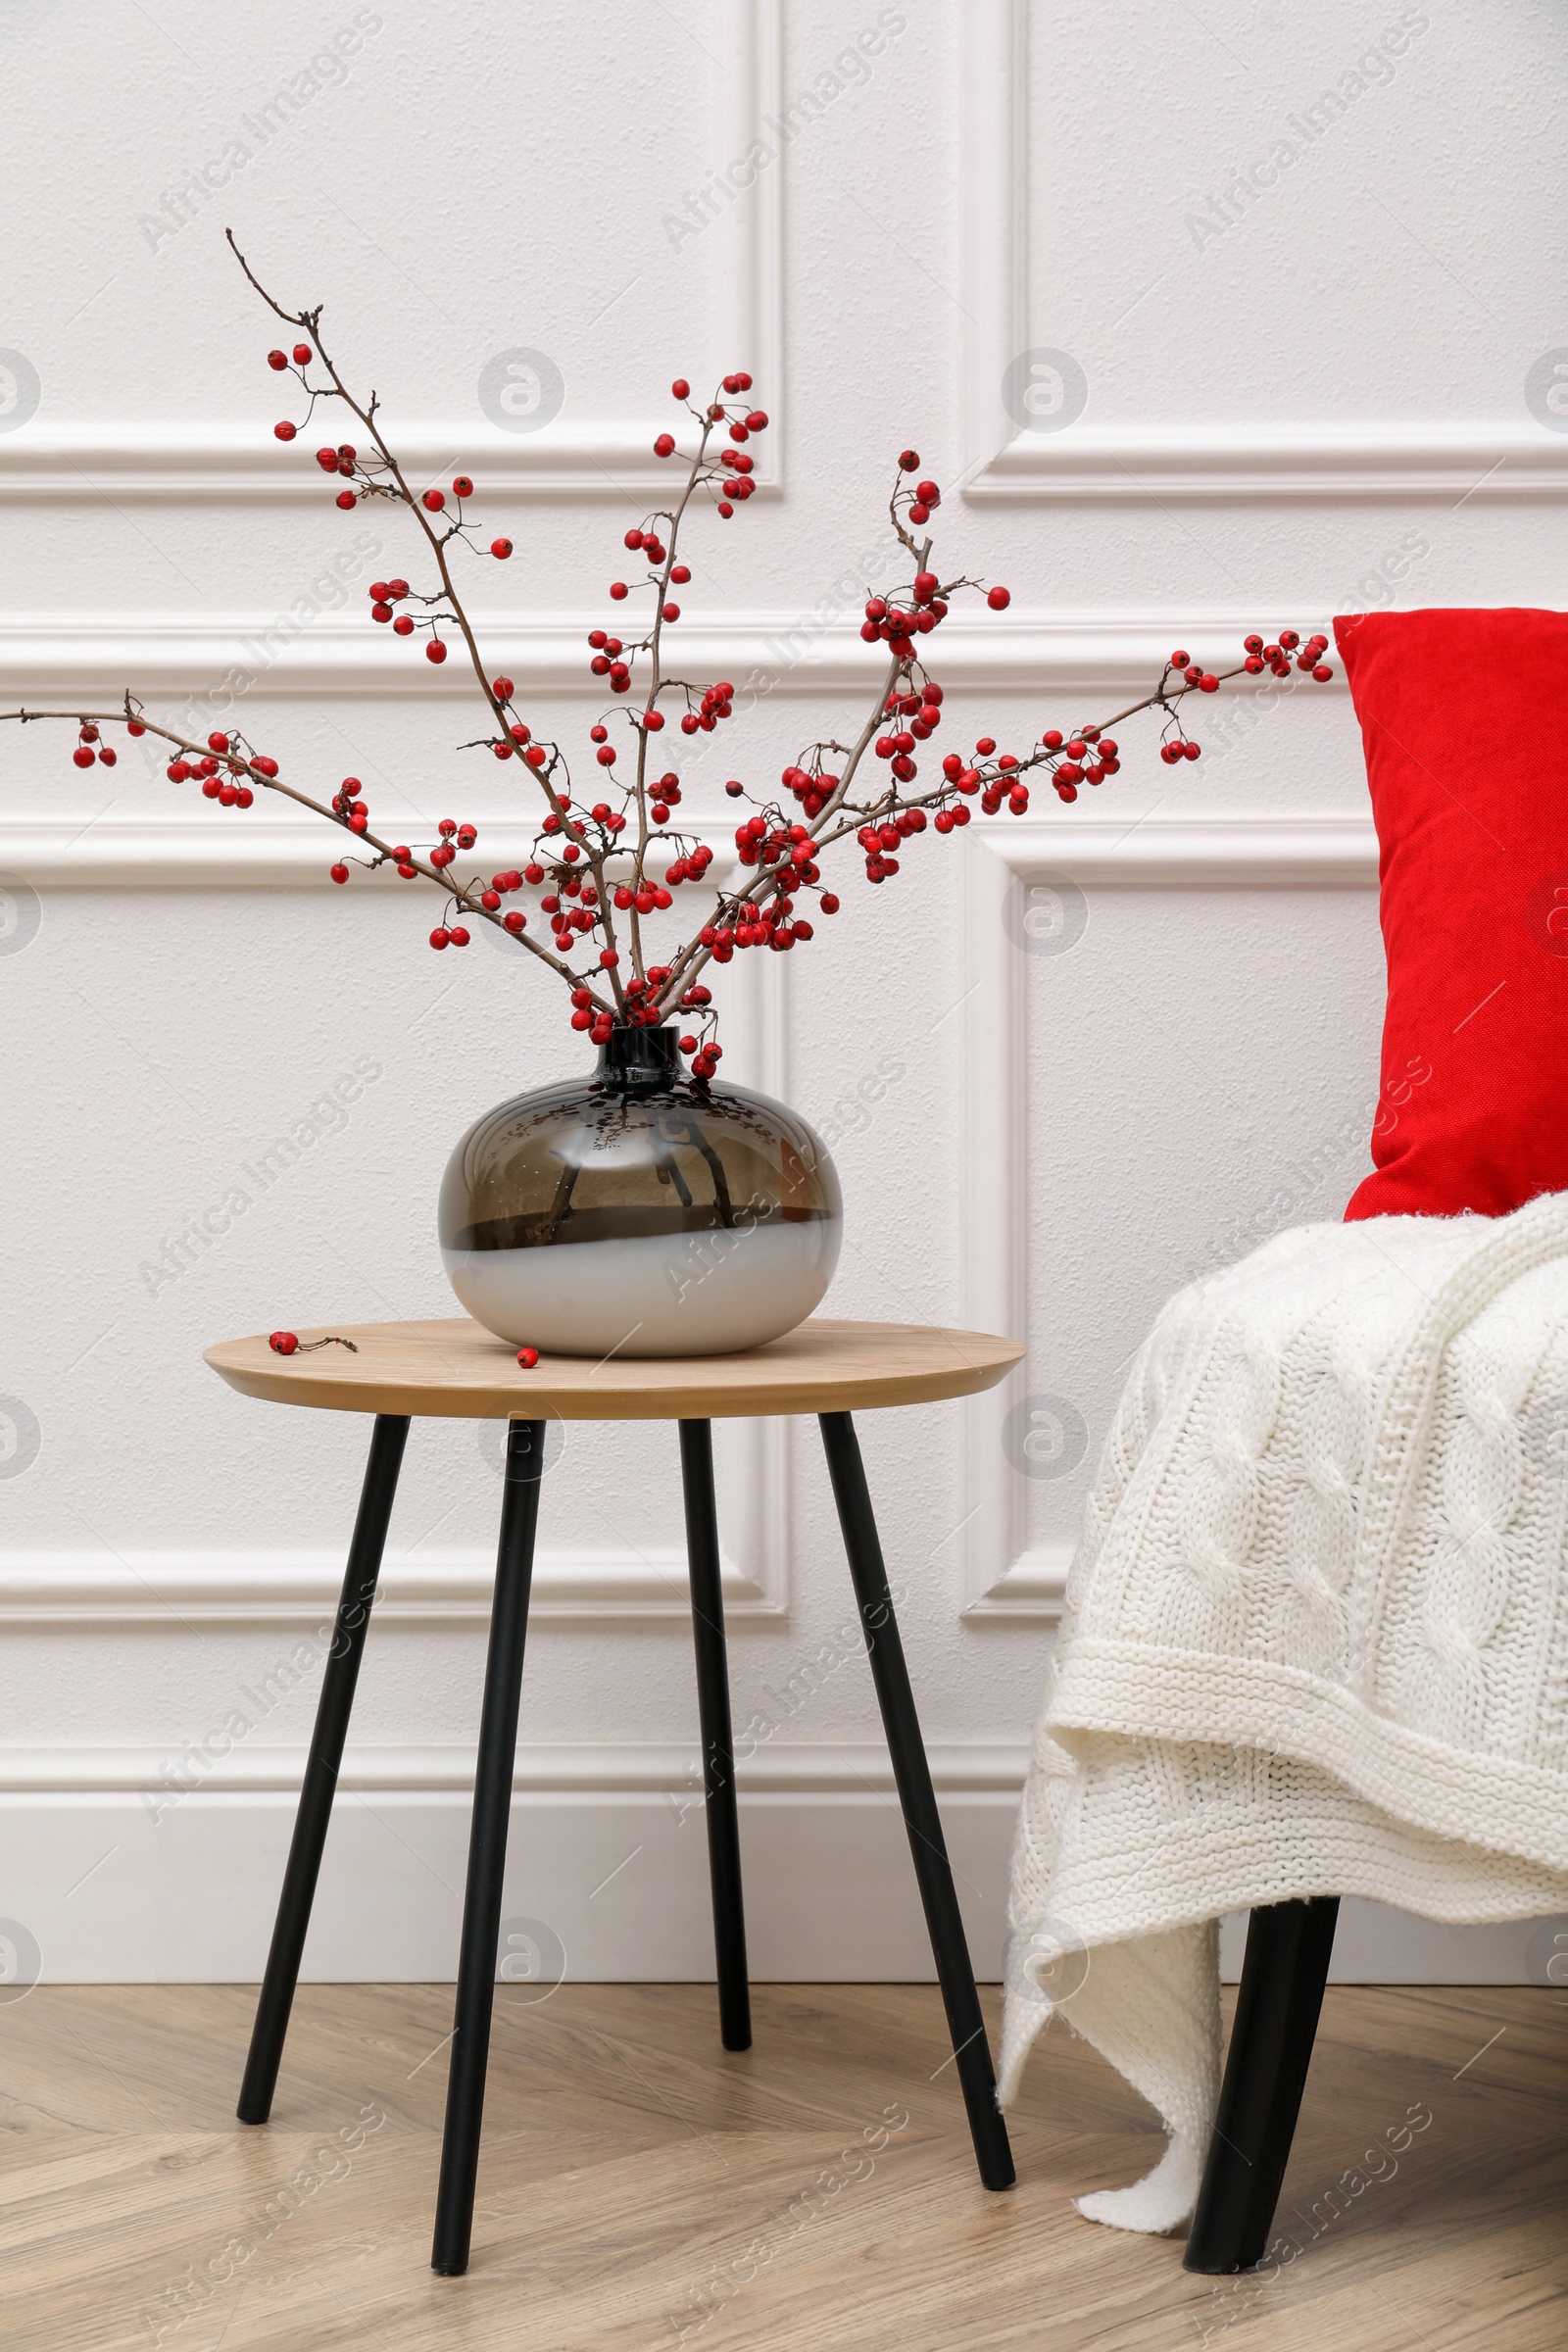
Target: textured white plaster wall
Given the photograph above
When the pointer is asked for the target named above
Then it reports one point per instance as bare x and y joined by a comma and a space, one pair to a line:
454, 180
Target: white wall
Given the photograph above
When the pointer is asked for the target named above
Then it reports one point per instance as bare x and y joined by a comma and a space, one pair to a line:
1313, 406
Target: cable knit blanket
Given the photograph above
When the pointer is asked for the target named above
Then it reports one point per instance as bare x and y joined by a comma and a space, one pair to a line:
1316, 1639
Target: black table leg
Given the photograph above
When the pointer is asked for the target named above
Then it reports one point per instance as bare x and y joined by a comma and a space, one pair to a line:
487, 1848
1277, 2007
319, 1785
917, 1799
718, 1759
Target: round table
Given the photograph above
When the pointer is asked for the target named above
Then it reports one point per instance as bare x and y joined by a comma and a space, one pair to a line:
453, 1368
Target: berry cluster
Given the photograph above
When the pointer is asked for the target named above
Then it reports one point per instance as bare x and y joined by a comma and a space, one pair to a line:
90, 749
222, 769
606, 863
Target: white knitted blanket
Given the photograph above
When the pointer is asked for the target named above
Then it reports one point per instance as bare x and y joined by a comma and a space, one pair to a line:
1316, 1639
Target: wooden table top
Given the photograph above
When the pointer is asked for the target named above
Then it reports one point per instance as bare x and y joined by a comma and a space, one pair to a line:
456, 1369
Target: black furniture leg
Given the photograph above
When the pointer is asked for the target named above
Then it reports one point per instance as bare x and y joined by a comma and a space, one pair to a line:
332, 1712
487, 1848
913, 1775
718, 1759
1276, 2006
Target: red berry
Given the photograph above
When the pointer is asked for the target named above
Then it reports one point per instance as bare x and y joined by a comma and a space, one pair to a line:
910, 460
339, 873
277, 359
458, 935
302, 355
403, 626
680, 389
435, 651
134, 726
680, 573
1323, 671
439, 936
502, 689
618, 590
347, 501
282, 1343
665, 446
1179, 660
1208, 683
435, 500
284, 432
528, 1357
107, 754
461, 486
500, 548
672, 612
83, 755
999, 599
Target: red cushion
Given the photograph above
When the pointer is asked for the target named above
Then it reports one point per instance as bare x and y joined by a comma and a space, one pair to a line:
1464, 716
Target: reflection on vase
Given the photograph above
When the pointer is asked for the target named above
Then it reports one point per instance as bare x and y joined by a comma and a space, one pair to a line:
640, 1212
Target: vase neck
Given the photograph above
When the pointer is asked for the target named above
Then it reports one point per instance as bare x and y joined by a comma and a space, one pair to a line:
639, 1058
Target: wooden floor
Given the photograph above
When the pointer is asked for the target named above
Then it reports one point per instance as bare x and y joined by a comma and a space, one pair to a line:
640, 2188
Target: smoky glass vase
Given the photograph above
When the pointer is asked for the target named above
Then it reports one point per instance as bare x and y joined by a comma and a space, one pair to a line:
639, 1211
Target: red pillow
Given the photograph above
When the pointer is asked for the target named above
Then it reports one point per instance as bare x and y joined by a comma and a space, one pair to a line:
1464, 716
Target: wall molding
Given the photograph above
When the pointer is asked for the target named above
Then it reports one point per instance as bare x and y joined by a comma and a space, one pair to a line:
298, 1588
237, 461
764, 650
1280, 850
844, 1768
1300, 850
1270, 464
1004, 1577
1225, 463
